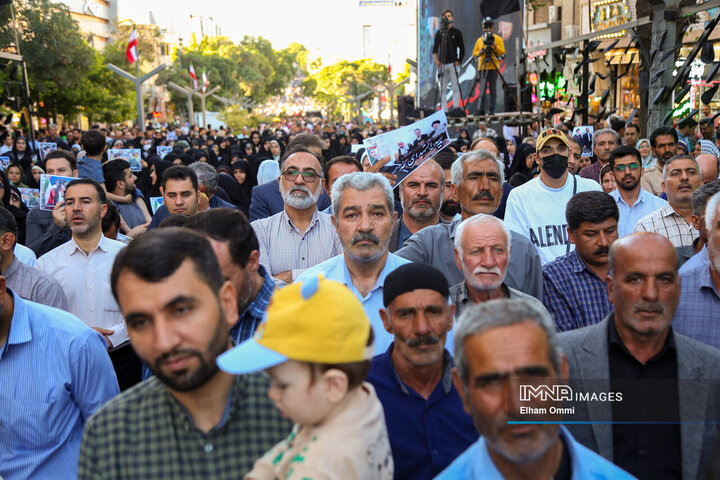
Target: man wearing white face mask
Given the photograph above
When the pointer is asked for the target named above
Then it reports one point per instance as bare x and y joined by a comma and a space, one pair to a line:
299, 237
482, 252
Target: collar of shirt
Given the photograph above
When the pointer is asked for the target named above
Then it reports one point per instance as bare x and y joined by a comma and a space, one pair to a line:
313, 221
390, 265
704, 279
181, 413
12, 268
618, 198
20, 331
668, 211
614, 339
578, 265
465, 296
73, 247
445, 381
259, 304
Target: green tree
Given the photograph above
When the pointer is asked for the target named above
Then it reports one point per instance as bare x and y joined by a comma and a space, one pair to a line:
333, 85
58, 58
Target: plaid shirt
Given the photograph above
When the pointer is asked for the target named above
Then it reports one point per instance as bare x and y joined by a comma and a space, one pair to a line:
460, 297
575, 296
253, 314
697, 314
670, 225
146, 434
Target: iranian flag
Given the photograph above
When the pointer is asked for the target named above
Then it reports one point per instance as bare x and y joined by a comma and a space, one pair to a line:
206, 82
194, 77
131, 50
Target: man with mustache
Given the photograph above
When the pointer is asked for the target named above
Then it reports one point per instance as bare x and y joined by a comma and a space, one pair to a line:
667, 420
190, 420
300, 236
478, 179
536, 209
423, 412
363, 216
482, 252
421, 194
664, 143
574, 284
499, 346
633, 201
681, 177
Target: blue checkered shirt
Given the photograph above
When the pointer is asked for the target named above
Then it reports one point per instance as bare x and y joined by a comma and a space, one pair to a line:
253, 314
697, 315
575, 296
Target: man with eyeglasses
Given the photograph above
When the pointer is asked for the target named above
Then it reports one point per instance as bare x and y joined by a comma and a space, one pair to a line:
300, 236
633, 201
536, 209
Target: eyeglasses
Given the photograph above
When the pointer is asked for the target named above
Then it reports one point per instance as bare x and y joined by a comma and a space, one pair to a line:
308, 177
631, 166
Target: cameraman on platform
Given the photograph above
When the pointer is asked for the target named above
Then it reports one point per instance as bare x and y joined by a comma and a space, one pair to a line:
448, 52
489, 50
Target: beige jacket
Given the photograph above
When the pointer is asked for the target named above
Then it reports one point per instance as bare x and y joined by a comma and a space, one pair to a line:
352, 445
652, 180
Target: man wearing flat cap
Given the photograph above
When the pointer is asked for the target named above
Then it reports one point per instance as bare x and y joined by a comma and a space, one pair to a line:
425, 419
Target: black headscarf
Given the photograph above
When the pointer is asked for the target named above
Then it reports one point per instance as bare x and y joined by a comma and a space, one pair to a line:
519, 160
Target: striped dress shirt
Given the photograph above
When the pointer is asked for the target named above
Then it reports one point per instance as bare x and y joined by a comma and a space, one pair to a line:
55, 373
283, 247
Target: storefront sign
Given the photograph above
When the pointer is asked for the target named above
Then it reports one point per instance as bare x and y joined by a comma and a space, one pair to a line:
608, 14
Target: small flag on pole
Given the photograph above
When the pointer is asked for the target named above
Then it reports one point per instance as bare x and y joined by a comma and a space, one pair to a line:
206, 82
131, 51
194, 77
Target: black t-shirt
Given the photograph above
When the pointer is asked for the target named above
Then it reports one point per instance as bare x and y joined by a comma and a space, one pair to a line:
454, 50
565, 470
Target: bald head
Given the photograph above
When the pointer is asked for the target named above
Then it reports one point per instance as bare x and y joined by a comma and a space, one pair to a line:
708, 166
649, 243
485, 143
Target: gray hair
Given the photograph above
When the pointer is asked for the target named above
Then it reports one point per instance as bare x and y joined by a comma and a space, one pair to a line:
701, 196
206, 174
456, 171
711, 211
604, 131
481, 317
362, 181
480, 219
680, 157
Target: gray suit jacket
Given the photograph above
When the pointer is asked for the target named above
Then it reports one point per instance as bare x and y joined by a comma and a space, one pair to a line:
587, 352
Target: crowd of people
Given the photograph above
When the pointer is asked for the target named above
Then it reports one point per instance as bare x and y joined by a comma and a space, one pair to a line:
270, 304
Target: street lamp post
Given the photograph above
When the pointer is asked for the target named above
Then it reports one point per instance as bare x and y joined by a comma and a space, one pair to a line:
138, 81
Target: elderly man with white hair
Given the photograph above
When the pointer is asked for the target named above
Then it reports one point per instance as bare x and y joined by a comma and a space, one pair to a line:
482, 252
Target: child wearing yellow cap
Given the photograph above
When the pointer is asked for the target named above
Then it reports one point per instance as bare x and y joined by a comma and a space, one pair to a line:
316, 346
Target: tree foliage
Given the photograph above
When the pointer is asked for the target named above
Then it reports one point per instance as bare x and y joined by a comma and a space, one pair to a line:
333, 85
250, 68
59, 60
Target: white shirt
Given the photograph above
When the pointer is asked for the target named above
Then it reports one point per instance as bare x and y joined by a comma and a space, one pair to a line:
538, 212
85, 279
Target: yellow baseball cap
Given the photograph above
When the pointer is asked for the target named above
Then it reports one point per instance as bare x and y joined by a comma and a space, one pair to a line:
546, 135
317, 321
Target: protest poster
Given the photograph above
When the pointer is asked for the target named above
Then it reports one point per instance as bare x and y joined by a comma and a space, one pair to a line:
30, 196
583, 135
46, 147
130, 155
163, 150
4, 161
155, 203
52, 190
409, 146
